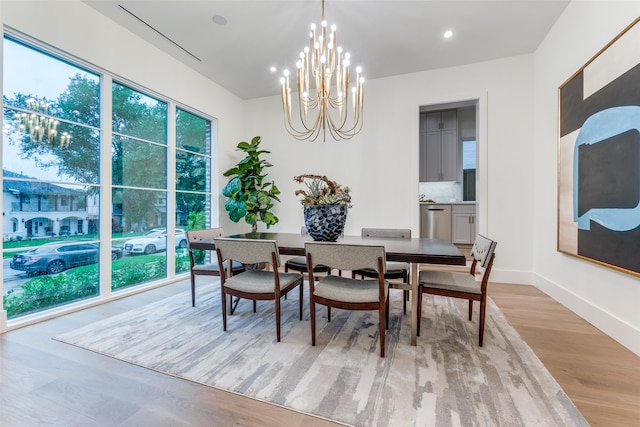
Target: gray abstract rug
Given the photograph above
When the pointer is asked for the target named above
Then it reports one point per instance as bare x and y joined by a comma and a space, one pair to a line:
446, 380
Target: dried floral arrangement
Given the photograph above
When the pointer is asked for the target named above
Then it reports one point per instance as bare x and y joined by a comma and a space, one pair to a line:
322, 191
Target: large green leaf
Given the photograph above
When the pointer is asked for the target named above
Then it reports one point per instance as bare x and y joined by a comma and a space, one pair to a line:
237, 209
233, 188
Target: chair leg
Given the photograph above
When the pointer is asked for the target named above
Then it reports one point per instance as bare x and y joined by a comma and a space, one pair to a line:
386, 310
254, 305
405, 279
470, 309
193, 290
312, 308
405, 297
277, 319
224, 310
301, 297
483, 306
419, 313
383, 321
328, 314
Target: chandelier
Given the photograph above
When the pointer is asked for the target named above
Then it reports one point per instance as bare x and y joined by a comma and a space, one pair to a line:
39, 125
323, 89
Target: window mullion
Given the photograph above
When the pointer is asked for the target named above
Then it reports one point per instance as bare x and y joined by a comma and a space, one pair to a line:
171, 188
105, 185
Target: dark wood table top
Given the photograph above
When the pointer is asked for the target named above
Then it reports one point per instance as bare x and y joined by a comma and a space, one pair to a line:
416, 250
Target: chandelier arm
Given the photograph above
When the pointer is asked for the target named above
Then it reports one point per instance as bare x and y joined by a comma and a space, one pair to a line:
324, 64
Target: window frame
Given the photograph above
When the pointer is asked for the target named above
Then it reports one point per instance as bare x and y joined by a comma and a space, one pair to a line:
105, 185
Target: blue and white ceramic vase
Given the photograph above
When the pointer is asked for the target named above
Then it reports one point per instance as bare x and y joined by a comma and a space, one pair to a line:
325, 222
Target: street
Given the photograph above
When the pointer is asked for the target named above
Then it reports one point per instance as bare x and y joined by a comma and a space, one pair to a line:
11, 279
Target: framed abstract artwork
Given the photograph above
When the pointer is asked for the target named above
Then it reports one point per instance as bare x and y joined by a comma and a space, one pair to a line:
599, 157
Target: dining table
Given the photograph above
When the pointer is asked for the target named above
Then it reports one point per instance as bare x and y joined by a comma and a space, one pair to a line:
414, 251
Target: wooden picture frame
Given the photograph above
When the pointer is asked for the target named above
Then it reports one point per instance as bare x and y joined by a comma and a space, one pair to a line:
599, 157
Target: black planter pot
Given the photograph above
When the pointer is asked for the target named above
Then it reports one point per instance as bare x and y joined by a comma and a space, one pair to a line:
325, 222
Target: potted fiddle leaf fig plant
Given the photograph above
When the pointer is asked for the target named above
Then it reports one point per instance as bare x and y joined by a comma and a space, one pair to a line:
326, 204
250, 195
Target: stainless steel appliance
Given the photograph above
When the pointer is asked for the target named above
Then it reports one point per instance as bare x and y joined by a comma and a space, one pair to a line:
435, 221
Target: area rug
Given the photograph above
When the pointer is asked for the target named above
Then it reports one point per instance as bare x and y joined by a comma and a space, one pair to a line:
446, 380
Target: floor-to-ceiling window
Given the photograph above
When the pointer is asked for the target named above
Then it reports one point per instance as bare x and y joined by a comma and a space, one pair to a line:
53, 137
139, 194
193, 177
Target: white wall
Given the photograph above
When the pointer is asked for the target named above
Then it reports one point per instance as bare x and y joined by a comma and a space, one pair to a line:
381, 163
606, 298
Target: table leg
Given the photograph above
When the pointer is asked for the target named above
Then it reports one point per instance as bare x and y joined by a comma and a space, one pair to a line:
415, 316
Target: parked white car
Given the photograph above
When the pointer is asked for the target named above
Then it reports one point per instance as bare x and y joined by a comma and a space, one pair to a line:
153, 241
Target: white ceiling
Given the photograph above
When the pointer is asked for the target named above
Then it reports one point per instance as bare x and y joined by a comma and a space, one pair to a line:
385, 37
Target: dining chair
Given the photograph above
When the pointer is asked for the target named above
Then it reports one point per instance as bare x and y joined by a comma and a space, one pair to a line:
255, 284
344, 292
462, 284
394, 270
206, 269
299, 263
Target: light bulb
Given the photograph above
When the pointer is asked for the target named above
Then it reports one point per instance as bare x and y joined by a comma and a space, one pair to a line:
358, 70
286, 72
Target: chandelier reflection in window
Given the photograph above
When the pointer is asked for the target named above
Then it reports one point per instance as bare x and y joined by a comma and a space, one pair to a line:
40, 126
323, 89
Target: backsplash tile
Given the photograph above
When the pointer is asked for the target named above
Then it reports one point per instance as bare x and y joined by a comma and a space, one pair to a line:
442, 192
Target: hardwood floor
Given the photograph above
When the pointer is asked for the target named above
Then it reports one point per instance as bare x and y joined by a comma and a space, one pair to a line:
43, 381
601, 377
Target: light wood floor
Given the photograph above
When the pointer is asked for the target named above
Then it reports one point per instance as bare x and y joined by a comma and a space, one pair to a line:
43, 381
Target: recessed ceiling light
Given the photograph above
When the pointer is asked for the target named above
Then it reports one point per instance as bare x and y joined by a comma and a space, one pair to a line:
273, 69
220, 20
448, 34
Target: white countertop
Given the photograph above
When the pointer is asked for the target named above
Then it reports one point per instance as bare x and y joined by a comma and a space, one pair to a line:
450, 203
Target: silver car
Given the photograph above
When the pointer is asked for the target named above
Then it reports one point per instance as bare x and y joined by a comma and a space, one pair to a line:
153, 241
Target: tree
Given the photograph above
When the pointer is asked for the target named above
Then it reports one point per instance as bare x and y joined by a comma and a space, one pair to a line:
193, 133
134, 163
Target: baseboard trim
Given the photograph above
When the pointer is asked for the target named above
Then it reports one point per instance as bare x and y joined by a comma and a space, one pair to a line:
511, 276
617, 329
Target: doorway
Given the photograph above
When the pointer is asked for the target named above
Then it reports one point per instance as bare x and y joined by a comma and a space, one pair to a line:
458, 182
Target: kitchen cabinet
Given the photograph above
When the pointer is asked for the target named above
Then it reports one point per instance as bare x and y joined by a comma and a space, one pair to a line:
439, 146
463, 220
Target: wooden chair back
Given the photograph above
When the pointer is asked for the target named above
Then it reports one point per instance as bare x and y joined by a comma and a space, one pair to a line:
248, 251
345, 257
204, 235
